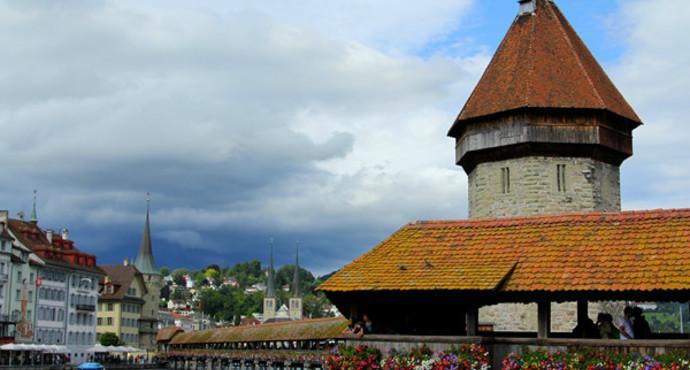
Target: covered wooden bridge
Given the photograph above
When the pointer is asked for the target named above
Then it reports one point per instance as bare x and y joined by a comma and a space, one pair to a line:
420, 279
295, 344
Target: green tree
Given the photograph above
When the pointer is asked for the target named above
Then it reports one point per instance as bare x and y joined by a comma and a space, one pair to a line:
178, 276
110, 339
165, 271
177, 295
165, 292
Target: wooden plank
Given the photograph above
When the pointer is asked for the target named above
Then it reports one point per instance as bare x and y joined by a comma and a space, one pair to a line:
543, 319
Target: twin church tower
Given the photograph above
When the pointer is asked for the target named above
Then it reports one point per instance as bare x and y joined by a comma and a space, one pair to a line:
294, 311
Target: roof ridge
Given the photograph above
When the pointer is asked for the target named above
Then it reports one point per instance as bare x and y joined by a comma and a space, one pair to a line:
560, 217
530, 61
560, 20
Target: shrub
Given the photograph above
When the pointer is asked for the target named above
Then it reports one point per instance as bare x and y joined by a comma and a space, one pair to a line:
595, 360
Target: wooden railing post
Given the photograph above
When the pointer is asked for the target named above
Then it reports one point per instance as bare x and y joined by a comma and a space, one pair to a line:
472, 321
582, 312
543, 319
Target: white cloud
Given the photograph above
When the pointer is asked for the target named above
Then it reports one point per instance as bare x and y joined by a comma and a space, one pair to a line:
653, 76
252, 118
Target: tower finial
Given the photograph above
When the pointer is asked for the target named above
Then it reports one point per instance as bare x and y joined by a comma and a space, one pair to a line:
527, 6
34, 216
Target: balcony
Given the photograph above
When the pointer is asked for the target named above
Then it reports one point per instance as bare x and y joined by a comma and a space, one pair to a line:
86, 307
6, 319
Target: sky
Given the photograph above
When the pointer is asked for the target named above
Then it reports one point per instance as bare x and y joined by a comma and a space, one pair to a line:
315, 122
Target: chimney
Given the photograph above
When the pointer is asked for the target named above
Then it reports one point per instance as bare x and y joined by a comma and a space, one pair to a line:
49, 236
20, 215
527, 6
65, 234
4, 215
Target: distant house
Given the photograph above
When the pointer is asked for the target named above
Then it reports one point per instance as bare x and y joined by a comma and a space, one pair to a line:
258, 287
165, 319
231, 281
249, 320
183, 322
176, 304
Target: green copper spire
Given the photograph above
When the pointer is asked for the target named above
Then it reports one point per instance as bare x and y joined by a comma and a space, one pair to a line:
295, 278
270, 289
34, 217
144, 262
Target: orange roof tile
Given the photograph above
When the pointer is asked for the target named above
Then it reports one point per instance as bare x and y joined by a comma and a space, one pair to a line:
624, 251
312, 329
542, 63
168, 333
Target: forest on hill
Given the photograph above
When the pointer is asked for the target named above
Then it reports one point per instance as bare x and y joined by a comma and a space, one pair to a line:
232, 292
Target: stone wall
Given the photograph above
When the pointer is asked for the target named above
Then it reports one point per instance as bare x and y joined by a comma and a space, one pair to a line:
523, 317
590, 185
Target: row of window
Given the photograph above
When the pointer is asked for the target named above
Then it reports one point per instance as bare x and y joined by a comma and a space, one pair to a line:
80, 338
84, 282
107, 307
20, 277
560, 179
52, 275
108, 321
49, 336
82, 299
130, 323
130, 307
130, 338
18, 295
50, 314
81, 319
51, 294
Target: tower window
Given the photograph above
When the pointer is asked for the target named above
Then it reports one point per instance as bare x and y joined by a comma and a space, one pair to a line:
505, 180
560, 177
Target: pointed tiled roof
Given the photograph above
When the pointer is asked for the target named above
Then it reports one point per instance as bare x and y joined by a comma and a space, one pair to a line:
542, 63
270, 289
295, 277
121, 277
633, 251
144, 262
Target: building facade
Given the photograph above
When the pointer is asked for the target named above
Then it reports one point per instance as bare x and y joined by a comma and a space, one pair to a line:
121, 303
53, 287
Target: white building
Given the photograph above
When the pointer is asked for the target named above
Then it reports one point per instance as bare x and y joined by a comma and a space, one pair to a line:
61, 287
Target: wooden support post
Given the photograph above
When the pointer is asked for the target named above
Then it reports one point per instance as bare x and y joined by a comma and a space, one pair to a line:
543, 319
582, 312
472, 321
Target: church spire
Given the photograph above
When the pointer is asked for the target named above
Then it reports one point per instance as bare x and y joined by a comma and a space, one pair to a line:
295, 278
34, 216
144, 262
270, 289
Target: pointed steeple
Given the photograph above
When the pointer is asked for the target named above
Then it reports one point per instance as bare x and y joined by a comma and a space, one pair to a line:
270, 289
295, 278
34, 215
144, 262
